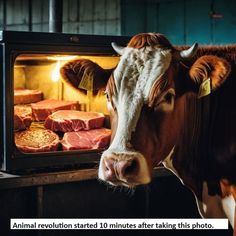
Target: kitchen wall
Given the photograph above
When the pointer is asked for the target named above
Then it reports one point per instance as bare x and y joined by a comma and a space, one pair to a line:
79, 16
182, 21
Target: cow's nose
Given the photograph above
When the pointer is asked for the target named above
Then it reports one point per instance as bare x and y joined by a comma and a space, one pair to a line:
120, 169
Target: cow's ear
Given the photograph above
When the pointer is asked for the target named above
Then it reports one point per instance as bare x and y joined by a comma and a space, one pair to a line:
209, 72
83, 74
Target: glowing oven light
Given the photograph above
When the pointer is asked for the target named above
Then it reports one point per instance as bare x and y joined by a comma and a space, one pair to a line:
56, 72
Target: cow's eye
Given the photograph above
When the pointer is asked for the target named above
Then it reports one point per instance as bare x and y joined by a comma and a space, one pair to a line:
166, 101
168, 97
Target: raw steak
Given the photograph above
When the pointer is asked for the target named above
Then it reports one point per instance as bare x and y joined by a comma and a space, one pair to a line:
26, 96
68, 121
36, 140
91, 139
41, 110
22, 117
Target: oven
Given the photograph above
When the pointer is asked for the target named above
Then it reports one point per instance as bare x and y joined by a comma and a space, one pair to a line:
30, 63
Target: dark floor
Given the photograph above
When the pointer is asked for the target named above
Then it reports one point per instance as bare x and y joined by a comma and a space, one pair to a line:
166, 197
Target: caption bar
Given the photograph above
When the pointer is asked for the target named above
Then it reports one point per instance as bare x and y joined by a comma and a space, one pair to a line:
114, 224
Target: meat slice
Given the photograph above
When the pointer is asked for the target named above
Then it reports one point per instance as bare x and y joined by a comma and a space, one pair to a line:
22, 117
36, 140
68, 121
41, 110
26, 96
91, 139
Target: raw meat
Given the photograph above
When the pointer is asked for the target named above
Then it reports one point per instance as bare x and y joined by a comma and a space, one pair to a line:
26, 96
36, 140
68, 121
41, 110
22, 117
91, 139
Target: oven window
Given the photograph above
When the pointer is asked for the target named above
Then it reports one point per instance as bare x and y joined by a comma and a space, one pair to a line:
55, 105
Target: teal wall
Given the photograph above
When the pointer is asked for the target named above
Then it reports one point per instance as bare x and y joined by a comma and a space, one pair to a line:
182, 21
79, 16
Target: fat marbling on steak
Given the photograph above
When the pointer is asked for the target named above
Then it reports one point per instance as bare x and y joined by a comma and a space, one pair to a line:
69, 120
36, 140
86, 139
41, 110
22, 117
26, 96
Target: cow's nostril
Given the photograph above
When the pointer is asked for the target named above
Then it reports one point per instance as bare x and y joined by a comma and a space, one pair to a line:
132, 168
108, 168
127, 168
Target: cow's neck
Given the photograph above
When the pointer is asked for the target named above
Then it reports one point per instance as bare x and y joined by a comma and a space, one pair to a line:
207, 131
190, 156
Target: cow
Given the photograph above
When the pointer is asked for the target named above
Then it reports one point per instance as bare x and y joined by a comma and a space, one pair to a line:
170, 105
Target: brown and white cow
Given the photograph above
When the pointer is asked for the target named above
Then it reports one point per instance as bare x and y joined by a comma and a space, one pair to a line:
172, 106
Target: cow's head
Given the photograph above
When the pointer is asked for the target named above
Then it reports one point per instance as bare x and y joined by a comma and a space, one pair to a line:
145, 99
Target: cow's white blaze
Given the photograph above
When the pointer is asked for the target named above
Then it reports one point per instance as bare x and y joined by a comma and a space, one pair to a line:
134, 77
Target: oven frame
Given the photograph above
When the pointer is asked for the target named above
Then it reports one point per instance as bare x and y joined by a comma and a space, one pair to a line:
14, 43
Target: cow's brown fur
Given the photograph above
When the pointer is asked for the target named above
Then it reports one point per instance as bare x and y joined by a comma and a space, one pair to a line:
150, 39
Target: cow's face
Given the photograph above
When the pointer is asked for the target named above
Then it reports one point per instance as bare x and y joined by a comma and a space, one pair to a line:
141, 99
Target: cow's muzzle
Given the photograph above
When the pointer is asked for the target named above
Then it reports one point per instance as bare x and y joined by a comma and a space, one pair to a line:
124, 168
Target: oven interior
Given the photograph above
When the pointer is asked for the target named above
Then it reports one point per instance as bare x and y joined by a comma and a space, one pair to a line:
41, 73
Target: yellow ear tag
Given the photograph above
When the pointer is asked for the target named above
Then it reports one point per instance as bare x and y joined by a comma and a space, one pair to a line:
86, 82
205, 88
